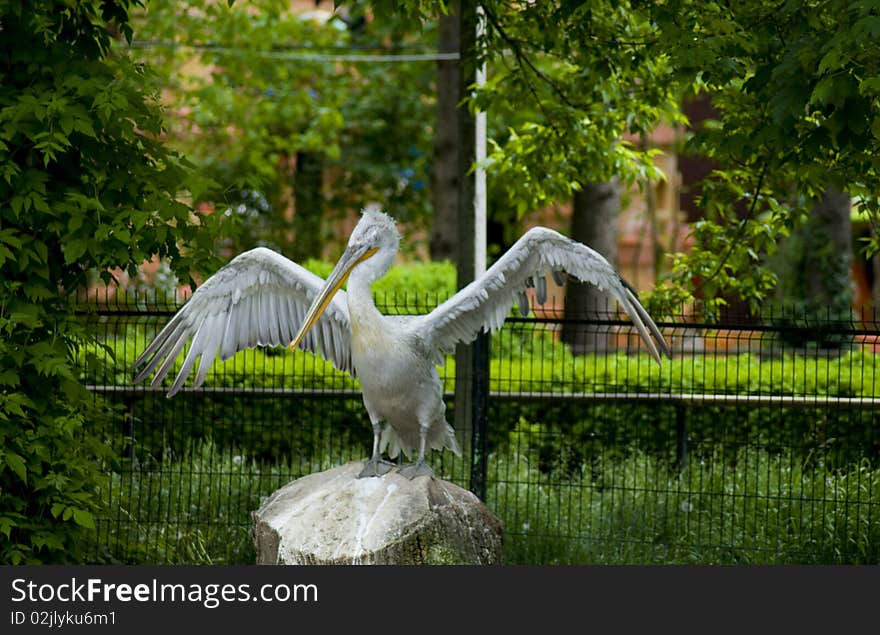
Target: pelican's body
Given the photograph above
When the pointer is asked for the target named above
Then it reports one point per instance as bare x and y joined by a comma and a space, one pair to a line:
260, 298
399, 380
400, 386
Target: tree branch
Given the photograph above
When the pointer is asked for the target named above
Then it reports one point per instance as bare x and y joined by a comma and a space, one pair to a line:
525, 62
742, 227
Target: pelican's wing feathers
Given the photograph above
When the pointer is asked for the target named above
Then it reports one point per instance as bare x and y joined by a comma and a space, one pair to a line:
484, 304
259, 298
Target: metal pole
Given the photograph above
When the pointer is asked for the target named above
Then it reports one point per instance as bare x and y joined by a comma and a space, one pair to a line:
480, 370
480, 157
471, 361
466, 231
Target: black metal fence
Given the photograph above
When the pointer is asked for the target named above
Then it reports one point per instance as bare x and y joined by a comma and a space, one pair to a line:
759, 442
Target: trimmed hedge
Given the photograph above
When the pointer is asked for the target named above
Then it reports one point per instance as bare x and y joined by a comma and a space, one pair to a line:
573, 428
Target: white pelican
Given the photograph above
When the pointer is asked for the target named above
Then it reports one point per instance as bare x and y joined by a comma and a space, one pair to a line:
261, 298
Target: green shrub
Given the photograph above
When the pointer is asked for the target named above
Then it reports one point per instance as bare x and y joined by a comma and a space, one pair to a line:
85, 184
533, 361
408, 288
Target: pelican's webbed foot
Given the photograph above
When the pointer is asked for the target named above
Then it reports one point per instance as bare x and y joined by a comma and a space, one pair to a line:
419, 468
375, 467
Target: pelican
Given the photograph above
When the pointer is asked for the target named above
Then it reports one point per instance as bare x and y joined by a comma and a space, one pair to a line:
261, 298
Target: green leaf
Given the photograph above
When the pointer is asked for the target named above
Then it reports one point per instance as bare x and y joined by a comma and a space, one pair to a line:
16, 464
823, 91
832, 60
84, 126
74, 249
6, 525
867, 27
17, 203
83, 518
15, 403
5, 254
870, 85
9, 237
75, 222
67, 125
9, 377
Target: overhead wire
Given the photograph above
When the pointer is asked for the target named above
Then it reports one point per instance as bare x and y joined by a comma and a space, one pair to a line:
300, 56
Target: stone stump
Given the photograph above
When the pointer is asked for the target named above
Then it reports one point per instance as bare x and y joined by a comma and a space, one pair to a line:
333, 517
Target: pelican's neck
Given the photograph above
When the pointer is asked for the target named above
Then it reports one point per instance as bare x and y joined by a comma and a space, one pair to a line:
361, 308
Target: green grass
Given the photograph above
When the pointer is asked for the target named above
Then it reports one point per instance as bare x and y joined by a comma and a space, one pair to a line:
194, 509
767, 509
758, 507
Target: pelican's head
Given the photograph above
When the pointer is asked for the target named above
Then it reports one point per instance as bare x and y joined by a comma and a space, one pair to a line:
375, 239
375, 230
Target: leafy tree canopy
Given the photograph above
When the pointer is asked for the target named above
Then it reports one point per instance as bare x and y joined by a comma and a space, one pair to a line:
795, 85
85, 184
253, 85
797, 90
589, 83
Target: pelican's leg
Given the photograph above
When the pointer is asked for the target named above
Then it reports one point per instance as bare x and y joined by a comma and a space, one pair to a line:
419, 468
376, 466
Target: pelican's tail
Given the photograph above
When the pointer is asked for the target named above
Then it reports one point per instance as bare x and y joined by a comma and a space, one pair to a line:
449, 441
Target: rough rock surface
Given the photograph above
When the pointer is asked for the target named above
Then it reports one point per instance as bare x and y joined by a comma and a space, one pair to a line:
333, 517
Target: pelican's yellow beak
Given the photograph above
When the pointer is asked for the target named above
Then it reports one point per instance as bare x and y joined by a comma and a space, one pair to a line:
352, 257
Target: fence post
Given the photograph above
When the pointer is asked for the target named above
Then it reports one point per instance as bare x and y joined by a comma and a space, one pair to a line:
129, 450
681, 433
479, 414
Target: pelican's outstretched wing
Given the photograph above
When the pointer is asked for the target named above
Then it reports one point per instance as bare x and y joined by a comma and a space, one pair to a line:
485, 303
259, 298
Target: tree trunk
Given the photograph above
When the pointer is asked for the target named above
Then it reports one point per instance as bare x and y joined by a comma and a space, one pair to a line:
308, 207
594, 222
813, 266
445, 187
828, 257
814, 262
